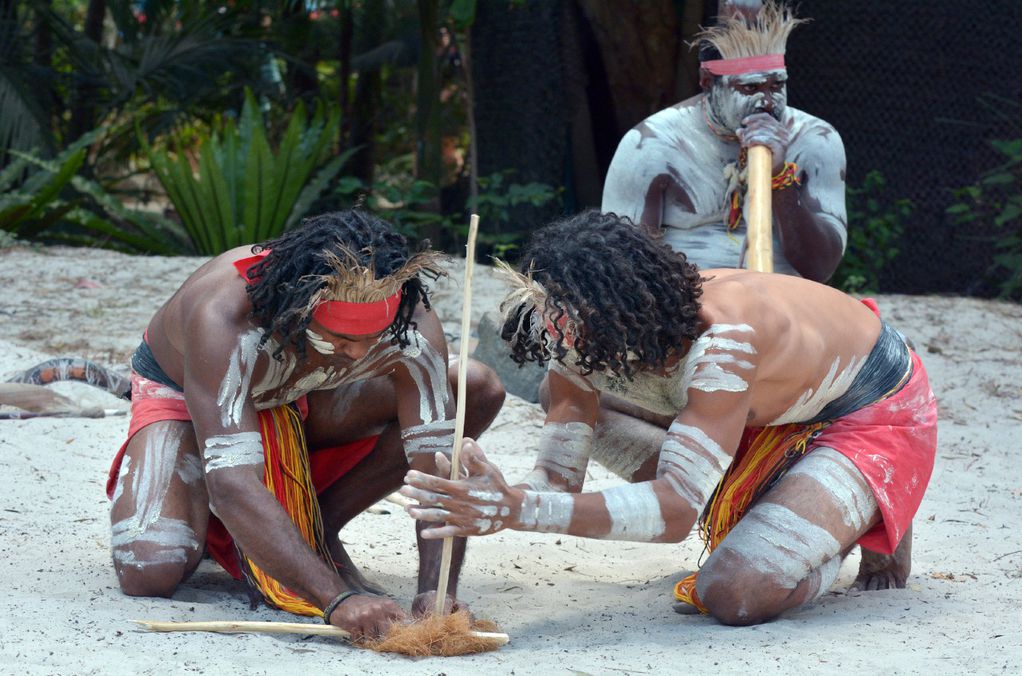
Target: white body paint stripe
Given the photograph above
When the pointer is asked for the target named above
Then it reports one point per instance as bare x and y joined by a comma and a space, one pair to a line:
234, 389
564, 450
842, 480
547, 512
231, 450
318, 343
778, 542
635, 513
429, 438
832, 386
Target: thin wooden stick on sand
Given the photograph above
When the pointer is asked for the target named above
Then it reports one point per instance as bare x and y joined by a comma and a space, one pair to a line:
302, 628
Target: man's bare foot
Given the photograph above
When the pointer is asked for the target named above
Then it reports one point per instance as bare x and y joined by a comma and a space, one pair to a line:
350, 573
885, 571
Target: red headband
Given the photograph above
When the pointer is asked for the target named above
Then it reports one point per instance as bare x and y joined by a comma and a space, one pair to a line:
357, 319
748, 64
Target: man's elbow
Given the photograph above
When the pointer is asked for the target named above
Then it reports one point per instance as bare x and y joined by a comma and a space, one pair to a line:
227, 488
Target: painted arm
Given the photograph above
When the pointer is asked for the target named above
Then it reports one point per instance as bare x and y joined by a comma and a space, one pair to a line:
699, 447
219, 364
636, 184
810, 219
566, 439
426, 411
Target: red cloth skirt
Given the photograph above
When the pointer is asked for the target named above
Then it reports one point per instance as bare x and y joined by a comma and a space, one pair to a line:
152, 402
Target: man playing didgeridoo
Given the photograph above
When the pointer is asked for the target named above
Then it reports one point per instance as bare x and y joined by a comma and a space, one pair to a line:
681, 173
310, 364
794, 422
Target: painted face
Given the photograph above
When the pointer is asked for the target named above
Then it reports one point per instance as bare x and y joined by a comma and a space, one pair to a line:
350, 347
732, 98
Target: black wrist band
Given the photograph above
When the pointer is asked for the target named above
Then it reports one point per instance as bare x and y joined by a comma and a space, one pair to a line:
338, 600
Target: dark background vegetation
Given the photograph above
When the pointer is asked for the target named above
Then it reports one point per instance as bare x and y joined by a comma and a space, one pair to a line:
428, 109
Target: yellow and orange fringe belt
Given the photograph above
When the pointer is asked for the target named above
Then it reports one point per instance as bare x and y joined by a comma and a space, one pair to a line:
289, 478
768, 456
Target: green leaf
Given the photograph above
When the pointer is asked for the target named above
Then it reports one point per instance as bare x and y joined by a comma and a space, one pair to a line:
316, 187
463, 13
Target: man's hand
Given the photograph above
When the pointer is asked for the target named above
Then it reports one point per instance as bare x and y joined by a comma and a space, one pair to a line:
479, 504
365, 616
425, 603
763, 129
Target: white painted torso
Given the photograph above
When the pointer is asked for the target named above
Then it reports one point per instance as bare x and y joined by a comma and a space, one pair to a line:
676, 146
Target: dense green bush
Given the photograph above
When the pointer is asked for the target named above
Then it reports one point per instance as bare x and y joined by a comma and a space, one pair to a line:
997, 198
46, 200
405, 203
876, 224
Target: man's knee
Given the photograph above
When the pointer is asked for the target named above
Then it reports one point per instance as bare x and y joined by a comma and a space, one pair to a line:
486, 391
152, 560
142, 576
734, 593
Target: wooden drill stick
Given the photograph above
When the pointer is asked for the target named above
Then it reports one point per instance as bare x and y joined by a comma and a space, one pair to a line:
459, 420
303, 628
759, 211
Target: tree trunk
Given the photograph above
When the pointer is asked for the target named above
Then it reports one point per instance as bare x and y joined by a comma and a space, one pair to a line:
345, 11
429, 163
639, 43
368, 96
83, 106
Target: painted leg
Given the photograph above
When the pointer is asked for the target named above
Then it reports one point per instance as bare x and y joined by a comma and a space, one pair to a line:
627, 439
485, 395
340, 416
350, 413
160, 511
885, 571
788, 549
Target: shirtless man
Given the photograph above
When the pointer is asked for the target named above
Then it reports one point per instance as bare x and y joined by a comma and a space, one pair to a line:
767, 377
325, 333
679, 173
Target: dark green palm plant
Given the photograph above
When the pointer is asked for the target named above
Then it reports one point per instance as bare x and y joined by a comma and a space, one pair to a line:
55, 204
242, 191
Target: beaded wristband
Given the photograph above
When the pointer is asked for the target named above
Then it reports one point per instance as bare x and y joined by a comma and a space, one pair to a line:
338, 600
786, 177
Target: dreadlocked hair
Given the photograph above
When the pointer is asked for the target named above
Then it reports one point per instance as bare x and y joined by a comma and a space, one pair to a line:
624, 299
325, 256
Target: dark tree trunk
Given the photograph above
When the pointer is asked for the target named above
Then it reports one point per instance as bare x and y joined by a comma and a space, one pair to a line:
639, 43
368, 97
346, 25
83, 106
429, 162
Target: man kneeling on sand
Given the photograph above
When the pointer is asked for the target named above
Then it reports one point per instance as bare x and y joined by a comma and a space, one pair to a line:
314, 366
784, 415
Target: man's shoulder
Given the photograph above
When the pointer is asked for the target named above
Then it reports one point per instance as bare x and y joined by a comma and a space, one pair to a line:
806, 127
665, 122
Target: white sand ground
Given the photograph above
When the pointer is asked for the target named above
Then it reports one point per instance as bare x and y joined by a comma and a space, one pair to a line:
571, 606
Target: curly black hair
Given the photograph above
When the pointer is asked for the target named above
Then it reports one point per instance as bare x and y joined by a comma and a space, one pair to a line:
288, 277
636, 299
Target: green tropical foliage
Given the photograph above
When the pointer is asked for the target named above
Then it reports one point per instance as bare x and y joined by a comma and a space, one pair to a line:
997, 198
405, 204
47, 200
241, 191
876, 224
